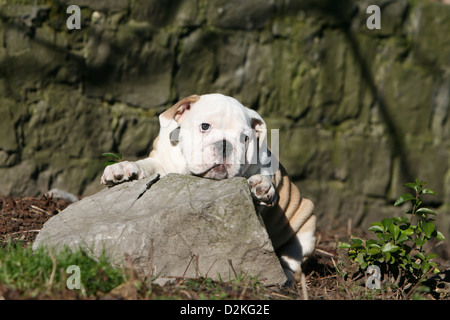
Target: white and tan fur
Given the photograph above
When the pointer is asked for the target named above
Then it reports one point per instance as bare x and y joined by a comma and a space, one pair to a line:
215, 136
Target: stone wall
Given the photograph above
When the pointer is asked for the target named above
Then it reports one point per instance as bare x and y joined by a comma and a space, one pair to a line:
360, 111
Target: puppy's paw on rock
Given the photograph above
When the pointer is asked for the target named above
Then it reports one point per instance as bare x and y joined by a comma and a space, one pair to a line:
120, 172
262, 189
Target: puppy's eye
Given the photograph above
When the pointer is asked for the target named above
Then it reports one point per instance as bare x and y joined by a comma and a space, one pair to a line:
205, 127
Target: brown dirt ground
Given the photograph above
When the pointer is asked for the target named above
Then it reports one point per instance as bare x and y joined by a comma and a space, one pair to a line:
22, 218
328, 274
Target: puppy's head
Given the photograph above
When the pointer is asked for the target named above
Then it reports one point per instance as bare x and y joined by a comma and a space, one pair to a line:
216, 134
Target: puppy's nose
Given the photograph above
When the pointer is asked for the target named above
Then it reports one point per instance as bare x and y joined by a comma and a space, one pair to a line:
224, 148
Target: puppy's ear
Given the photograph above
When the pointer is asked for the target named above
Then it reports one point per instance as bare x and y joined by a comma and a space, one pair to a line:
258, 125
177, 111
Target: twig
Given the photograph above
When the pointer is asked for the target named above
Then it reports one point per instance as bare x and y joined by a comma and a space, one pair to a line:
319, 238
181, 278
242, 295
418, 282
23, 231
187, 294
130, 282
206, 275
40, 210
340, 279
192, 258
153, 181
54, 262
304, 289
280, 295
232, 268
325, 253
197, 270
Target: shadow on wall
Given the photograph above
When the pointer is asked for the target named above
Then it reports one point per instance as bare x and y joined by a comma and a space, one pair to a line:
98, 73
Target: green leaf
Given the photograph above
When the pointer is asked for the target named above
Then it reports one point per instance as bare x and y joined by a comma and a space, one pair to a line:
403, 237
401, 253
408, 231
386, 237
117, 156
376, 229
420, 256
432, 256
372, 251
403, 219
426, 211
386, 223
393, 260
425, 267
108, 163
357, 243
412, 185
403, 198
390, 247
440, 236
428, 191
394, 230
361, 261
428, 228
420, 242
344, 245
376, 224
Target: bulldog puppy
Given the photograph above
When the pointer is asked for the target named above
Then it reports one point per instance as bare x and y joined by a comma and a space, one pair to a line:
215, 136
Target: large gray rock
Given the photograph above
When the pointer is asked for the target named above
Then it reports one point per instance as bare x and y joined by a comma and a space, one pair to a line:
180, 226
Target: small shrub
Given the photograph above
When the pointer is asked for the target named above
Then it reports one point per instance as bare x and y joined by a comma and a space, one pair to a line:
399, 248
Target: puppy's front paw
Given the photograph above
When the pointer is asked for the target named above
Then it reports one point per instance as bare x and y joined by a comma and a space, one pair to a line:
120, 172
262, 189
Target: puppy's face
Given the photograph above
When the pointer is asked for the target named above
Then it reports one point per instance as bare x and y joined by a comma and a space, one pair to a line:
217, 136
214, 144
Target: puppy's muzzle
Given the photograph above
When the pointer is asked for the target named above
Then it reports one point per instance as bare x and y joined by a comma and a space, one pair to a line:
223, 149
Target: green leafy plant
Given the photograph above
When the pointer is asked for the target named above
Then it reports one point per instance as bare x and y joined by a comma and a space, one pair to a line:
113, 157
399, 248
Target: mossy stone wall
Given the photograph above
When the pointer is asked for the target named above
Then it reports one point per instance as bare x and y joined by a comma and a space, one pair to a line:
359, 111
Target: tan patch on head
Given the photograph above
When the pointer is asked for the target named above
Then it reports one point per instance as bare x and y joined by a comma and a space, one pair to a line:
177, 109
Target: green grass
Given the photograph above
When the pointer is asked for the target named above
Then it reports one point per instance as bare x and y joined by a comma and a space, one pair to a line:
43, 271
43, 274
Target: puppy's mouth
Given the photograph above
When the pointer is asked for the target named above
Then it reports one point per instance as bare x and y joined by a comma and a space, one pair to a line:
217, 172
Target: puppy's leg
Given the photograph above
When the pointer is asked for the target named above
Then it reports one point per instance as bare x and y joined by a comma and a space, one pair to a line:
297, 250
127, 170
262, 189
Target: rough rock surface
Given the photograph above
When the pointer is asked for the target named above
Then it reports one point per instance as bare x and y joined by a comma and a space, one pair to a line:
181, 225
